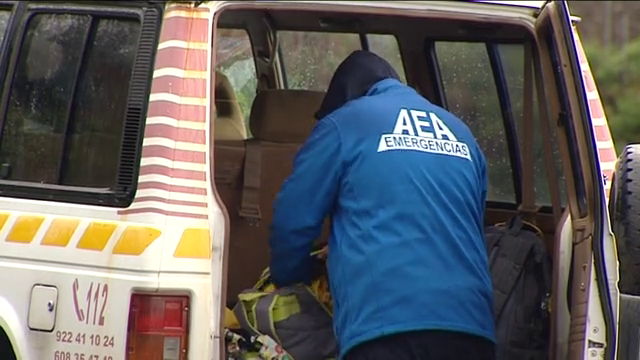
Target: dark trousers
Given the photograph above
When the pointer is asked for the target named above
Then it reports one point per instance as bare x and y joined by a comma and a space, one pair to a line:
424, 345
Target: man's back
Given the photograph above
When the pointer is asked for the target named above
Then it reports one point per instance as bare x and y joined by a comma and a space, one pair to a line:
407, 248
405, 184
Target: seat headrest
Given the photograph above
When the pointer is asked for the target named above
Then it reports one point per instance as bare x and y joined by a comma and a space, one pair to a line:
229, 122
285, 116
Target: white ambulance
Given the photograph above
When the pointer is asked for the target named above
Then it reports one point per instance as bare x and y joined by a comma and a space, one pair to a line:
142, 144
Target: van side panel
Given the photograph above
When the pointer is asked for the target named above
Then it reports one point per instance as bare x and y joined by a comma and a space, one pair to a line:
606, 149
96, 257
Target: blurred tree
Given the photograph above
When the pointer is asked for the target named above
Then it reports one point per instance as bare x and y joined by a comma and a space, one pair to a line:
612, 44
607, 22
617, 74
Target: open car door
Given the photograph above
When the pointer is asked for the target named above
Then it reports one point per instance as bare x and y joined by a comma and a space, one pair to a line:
592, 294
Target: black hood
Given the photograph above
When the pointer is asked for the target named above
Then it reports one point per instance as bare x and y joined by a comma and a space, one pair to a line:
353, 79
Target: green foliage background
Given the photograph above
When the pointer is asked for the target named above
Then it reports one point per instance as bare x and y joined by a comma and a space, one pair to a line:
617, 74
611, 38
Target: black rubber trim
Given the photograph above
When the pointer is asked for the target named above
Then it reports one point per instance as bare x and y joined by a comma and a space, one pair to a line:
434, 73
508, 121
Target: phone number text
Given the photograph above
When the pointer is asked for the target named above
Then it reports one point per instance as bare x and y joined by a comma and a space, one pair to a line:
69, 337
66, 355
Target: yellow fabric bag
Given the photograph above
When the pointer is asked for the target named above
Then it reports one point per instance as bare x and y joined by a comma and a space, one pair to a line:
319, 287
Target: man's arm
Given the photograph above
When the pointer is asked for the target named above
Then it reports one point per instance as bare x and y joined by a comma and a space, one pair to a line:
305, 199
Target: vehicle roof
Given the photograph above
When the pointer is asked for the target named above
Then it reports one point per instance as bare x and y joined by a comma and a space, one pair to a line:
526, 3
530, 4
534, 4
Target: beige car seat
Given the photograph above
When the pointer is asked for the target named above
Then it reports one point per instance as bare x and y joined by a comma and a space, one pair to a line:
229, 122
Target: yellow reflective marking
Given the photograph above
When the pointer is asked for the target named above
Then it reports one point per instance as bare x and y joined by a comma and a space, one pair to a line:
135, 240
96, 236
3, 219
60, 232
194, 243
25, 228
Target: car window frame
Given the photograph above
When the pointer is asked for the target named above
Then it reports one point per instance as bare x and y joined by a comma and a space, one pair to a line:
511, 137
508, 119
122, 193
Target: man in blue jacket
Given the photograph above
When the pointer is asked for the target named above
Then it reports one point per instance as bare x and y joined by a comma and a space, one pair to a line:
405, 183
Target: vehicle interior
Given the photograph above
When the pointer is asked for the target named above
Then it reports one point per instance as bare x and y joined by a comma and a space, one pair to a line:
274, 63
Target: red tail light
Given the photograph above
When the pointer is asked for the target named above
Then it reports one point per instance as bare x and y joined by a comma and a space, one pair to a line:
158, 327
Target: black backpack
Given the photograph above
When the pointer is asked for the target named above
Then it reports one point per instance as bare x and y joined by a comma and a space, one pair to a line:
521, 271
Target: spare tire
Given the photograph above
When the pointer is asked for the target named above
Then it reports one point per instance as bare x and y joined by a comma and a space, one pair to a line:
629, 328
624, 208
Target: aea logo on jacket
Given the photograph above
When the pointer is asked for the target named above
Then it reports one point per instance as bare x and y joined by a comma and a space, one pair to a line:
423, 131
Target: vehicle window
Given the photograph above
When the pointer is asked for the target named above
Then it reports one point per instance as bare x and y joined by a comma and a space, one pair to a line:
66, 111
310, 58
471, 94
234, 59
512, 59
386, 46
5, 15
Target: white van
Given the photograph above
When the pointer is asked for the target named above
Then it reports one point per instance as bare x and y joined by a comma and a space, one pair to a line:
142, 144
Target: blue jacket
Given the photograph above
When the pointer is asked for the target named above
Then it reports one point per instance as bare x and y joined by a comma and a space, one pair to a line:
405, 184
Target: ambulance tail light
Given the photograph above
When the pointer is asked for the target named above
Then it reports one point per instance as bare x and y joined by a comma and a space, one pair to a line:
158, 327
